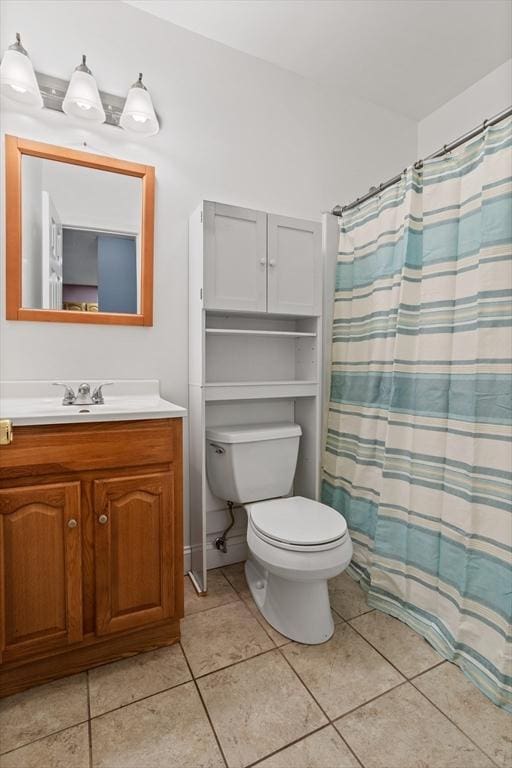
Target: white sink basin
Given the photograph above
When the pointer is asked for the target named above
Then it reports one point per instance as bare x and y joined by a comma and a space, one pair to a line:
38, 402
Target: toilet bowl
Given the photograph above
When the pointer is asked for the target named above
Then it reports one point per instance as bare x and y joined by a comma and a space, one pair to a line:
295, 544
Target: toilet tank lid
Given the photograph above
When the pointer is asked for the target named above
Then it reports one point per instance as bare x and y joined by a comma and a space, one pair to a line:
251, 433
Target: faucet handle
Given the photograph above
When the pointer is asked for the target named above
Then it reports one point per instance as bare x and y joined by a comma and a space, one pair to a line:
69, 395
97, 395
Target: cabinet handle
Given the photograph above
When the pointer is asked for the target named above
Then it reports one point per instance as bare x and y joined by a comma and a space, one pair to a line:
72, 523
263, 262
103, 519
271, 263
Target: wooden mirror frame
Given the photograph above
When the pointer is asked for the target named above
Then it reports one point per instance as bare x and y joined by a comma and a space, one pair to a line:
15, 148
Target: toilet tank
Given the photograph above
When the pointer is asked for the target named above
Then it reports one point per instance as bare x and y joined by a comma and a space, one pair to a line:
250, 462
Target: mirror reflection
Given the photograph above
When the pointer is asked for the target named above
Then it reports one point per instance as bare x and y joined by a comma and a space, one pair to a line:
80, 238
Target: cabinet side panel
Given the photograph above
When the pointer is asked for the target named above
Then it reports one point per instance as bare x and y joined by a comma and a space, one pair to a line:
195, 302
197, 486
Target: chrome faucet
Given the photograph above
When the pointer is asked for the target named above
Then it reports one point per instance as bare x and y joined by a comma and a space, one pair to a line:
83, 396
97, 395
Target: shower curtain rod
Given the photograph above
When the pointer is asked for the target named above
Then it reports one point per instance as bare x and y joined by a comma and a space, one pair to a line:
339, 210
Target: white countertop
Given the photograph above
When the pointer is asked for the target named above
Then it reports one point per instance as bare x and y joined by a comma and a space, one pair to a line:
28, 403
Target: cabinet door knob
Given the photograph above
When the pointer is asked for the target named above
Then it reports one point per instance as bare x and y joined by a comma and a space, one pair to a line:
103, 519
263, 262
72, 523
271, 263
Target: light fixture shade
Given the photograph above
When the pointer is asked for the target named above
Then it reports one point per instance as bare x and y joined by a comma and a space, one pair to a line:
17, 76
138, 114
82, 97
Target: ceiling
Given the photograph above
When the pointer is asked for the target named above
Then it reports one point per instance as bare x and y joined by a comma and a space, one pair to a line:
408, 55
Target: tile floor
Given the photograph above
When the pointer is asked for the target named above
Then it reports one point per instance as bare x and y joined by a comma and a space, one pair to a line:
236, 693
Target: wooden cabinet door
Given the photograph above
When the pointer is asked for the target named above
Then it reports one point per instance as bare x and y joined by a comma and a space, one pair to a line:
294, 266
235, 258
40, 568
134, 541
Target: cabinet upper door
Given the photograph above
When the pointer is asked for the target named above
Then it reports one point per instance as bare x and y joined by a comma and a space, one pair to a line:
294, 266
134, 541
235, 258
41, 570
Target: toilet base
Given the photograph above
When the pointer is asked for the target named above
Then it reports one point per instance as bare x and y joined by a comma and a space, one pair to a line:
299, 610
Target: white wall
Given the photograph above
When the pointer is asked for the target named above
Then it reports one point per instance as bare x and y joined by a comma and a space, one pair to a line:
234, 129
485, 98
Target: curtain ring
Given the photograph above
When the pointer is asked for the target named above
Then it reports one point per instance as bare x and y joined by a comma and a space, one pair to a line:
485, 123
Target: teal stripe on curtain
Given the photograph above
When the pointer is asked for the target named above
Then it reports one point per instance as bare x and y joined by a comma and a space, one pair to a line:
418, 456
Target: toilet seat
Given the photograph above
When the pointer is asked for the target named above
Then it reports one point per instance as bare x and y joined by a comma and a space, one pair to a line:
297, 523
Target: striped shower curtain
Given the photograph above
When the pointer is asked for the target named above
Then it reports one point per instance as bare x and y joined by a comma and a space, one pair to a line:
418, 456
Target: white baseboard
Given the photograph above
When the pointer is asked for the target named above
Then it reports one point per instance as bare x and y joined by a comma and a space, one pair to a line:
237, 551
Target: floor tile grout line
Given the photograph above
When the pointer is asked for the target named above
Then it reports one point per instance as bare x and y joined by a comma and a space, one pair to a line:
419, 674
278, 648
142, 698
262, 625
244, 599
349, 621
364, 613
236, 599
329, 720
234, 663
41, 738
272, 650
205, 708
454, 723
89, 728
369, 701
425, 671
381, 653
291, 744
256, 619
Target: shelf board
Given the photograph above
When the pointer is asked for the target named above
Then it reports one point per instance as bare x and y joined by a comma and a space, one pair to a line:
256, 390
253, 332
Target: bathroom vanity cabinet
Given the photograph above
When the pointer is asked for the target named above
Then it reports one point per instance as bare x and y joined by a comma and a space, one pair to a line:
91, 546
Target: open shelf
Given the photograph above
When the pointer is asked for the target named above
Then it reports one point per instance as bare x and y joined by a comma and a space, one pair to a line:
255, 390
253, 332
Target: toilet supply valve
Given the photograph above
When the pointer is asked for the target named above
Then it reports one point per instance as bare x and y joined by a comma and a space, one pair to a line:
220, 541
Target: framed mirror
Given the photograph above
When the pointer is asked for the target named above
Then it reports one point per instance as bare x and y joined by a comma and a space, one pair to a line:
79, 245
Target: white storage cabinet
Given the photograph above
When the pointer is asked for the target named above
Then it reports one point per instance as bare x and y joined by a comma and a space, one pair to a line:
255, 353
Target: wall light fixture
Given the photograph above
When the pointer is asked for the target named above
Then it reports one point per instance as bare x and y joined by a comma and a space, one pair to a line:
79, 97
17, 76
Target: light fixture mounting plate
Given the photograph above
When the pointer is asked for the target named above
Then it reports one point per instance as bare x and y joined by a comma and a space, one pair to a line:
53, 90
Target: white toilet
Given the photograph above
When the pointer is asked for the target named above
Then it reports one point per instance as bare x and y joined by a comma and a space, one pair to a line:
295, 544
